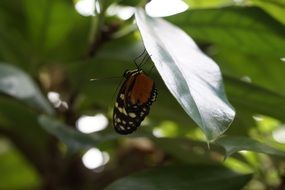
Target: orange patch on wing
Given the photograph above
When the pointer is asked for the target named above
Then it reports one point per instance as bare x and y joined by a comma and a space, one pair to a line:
142, 89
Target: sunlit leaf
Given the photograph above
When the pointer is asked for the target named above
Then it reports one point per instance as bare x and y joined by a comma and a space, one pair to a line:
207, 3
192, 77
198, 177
18, 84
235, 144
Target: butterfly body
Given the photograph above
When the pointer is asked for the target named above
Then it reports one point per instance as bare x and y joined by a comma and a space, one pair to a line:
133, 102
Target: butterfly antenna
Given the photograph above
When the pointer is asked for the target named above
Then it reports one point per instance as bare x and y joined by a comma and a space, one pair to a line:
135, 60
145, 60
106, 78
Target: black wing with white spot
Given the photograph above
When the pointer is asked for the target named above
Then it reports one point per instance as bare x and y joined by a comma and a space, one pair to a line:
124, 121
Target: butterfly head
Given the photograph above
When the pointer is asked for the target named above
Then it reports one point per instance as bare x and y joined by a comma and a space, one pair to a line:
129, 73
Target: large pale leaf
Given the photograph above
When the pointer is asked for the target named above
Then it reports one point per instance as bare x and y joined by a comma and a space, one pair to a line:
193, 78
198, 177
14, 82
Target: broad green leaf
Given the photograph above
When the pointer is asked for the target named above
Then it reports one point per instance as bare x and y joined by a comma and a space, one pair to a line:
246, 29
198, 177
46, 22
255, 99
193, 78
14, 82
235, 144
75, 140
13, 46
42, 34
252, 67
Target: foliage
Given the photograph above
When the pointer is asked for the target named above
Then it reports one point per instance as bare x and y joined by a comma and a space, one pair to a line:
236, 99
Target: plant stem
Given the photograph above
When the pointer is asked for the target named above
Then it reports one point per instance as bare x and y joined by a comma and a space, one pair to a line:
97, 21
95, 36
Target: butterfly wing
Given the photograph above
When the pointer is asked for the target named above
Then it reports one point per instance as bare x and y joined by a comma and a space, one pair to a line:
133, 102
122, 119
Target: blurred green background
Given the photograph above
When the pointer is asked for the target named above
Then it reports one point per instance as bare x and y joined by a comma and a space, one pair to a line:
55, 124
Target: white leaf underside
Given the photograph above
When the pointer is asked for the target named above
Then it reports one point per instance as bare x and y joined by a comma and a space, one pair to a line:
192, 77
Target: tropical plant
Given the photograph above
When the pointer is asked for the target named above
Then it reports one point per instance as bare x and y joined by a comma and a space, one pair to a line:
217, 121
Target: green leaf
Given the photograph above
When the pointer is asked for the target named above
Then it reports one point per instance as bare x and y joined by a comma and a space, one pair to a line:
13, 46
75, 140
246, 29
275, 7
46, 22
235, 144
244, 66
189, 151
18, 84
192, 77
198, 177
42, 34
243, 122
255, 99
207, 3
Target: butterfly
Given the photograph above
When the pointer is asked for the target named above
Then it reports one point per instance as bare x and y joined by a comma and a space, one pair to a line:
133, 102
